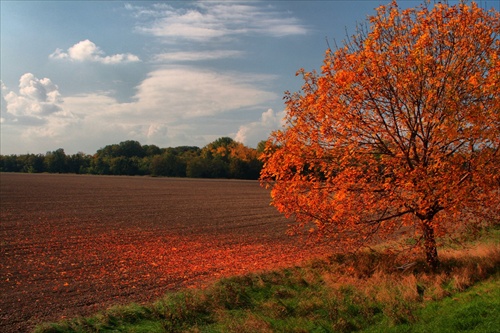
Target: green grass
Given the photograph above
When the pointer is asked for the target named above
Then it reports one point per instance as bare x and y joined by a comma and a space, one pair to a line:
343, 293
476, 310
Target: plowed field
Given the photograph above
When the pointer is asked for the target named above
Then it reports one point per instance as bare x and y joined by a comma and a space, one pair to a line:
77, 244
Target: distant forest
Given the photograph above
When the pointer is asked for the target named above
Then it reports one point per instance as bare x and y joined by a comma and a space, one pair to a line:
223, 158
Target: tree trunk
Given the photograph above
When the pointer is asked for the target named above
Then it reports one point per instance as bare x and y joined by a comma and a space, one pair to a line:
430, 245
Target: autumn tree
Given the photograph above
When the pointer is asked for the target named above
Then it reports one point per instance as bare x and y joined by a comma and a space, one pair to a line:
225, 158
400, 132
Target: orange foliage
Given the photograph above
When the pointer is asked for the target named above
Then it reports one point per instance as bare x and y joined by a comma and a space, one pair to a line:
400, 131
234, 150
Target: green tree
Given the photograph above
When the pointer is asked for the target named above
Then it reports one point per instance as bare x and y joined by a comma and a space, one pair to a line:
32, 163
151, 150
131, 148
205, 167
168, 164
55, 162
99, 165
78, 163
8, 163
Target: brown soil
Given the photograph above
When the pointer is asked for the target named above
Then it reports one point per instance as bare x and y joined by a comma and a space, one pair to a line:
76, 244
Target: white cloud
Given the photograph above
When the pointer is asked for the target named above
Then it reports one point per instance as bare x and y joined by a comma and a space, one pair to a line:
88, 51
172, 106
196, 56
206, 21
156, 10
36, 98
34, 117
188, 92
252, 133
157, 131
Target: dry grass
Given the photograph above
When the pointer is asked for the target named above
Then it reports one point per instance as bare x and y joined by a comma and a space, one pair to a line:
400, 293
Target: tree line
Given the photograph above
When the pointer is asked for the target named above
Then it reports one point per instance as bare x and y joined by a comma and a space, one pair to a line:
222, 158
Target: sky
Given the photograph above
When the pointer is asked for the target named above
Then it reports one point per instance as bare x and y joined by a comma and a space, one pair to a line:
80, 75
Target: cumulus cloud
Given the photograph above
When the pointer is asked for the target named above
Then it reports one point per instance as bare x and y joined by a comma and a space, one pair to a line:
33, 117
36, 98
203, 22
252, 133
88, 51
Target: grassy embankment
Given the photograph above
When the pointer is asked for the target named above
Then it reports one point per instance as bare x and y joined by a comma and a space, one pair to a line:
344, 293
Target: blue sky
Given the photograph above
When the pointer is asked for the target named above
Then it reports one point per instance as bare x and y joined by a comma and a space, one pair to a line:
80, 75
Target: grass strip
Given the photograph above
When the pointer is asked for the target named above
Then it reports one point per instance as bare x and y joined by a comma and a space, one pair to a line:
476, 310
